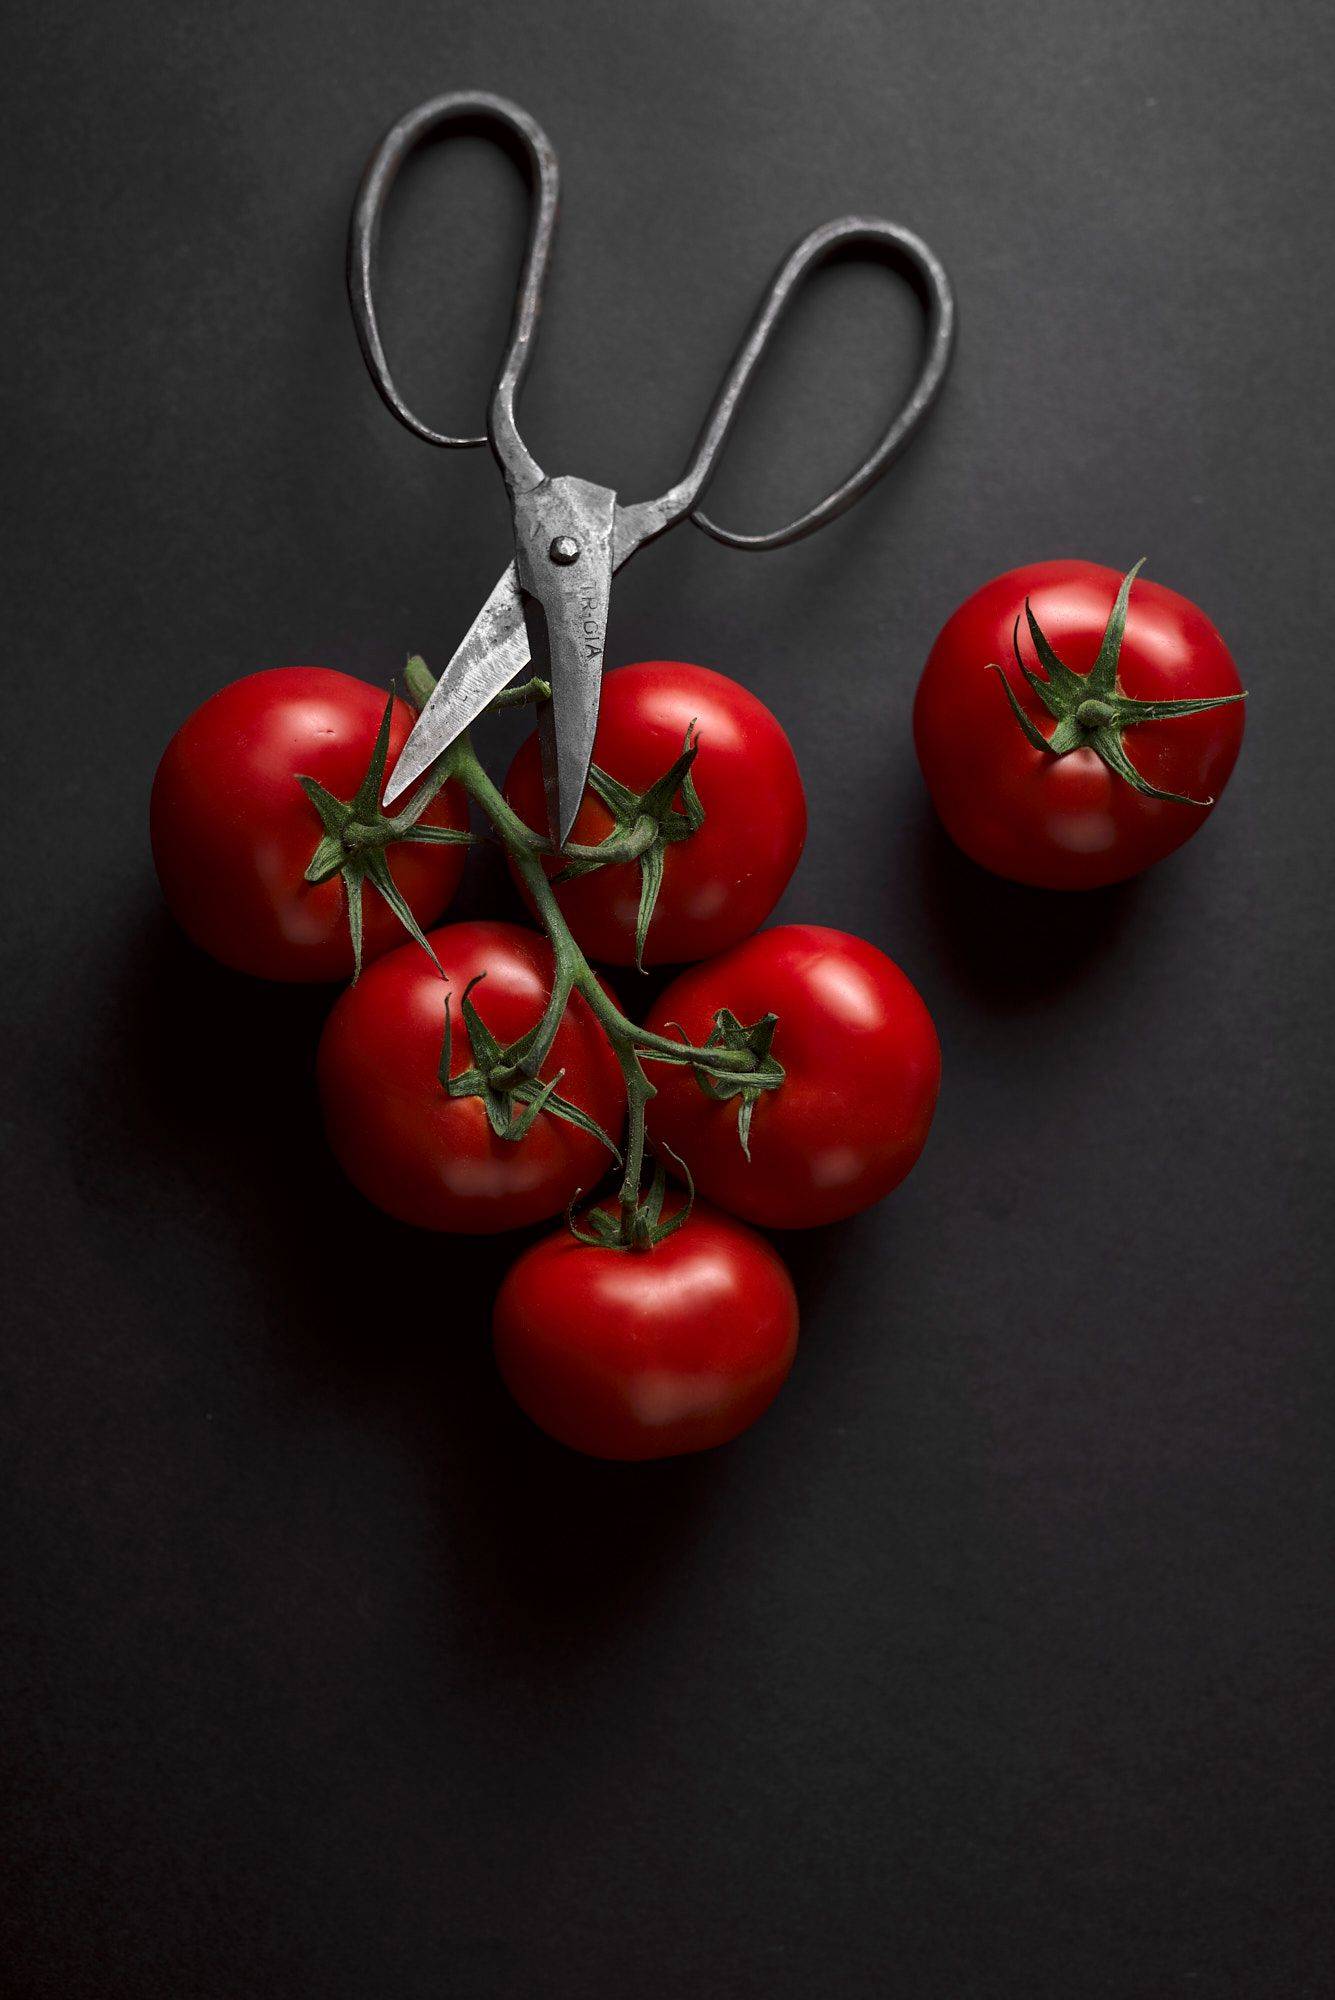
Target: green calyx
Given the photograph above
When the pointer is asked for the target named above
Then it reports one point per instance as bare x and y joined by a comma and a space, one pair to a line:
763, 1071
513, 1100
645, 825
357, 832
1089, 710
640, 1226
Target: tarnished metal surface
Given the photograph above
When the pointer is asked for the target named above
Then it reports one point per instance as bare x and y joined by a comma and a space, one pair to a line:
570, 536
460, 107
492, 654
566, 601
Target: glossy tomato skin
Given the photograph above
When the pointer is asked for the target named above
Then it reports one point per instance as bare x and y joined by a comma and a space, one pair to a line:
721, 883
1069, 822
233, 832
433, 1160
862, 1069
635, 1354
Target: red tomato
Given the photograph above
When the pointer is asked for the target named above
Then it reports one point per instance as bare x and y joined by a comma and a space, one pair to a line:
1069, 821
434, 1160
861, 1063
721, 882
647, 1353
233, 831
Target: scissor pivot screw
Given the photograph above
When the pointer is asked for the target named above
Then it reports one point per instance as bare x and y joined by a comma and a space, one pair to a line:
564, 549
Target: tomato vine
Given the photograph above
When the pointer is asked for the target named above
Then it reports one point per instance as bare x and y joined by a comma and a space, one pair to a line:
726, 1064
356, 841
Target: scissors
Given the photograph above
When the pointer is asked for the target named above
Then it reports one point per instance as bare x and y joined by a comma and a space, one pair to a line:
551, 603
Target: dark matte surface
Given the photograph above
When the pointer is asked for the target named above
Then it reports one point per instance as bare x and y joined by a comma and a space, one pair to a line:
996, 1661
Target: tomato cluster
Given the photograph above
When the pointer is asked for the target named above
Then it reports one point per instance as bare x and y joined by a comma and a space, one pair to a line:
482, 1076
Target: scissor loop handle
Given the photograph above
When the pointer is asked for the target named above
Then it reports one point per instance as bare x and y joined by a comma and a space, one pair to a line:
459, 107
848, 232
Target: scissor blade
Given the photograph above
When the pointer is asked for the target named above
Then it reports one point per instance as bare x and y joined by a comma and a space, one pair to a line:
564, 558
492, 654
566, 729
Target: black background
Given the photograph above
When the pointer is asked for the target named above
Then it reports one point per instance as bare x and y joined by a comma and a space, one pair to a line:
996, 1660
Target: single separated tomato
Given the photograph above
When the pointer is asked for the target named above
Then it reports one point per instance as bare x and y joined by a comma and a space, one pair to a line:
861, 1068
720, 880
636, 1354
436, 1159
233, 831
1075, 726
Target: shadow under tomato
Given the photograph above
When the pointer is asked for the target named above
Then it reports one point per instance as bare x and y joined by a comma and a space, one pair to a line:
1008, 945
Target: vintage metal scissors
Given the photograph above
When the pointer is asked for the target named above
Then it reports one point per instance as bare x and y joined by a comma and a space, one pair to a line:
551, 604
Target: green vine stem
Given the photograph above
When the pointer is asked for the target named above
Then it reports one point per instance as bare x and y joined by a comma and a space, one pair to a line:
631, 1044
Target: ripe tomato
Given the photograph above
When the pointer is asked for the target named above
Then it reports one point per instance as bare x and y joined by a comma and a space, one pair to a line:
636, 1354
1073, 820
233, 831
434, 1160
861, 1063
719, 883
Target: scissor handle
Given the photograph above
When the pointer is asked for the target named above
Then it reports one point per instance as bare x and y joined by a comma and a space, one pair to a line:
459, 107
813, 250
